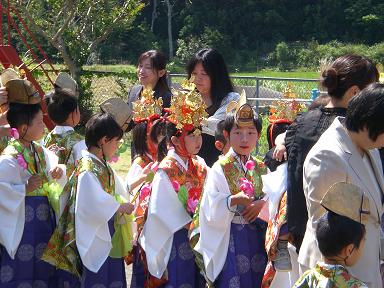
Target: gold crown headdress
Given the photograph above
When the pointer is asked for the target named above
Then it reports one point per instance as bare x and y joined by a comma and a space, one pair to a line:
243, 112
286, 108
147, 107
187, 109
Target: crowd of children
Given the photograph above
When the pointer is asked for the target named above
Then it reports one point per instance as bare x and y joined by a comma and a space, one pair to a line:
68, 220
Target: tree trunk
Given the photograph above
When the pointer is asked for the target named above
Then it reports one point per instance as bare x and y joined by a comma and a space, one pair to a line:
170, 39
154, 14
74, 69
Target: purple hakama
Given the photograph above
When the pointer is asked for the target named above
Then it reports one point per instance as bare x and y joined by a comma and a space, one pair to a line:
110, 275
27, 270
246, 257
182, 269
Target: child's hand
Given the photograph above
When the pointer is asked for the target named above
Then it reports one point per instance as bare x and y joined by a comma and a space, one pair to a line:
280, 153
56, 172
126, 208
253, 210
33, 183
241, 199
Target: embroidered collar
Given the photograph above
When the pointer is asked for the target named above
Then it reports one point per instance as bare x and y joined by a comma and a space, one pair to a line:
237, 157
172, 153
62, 129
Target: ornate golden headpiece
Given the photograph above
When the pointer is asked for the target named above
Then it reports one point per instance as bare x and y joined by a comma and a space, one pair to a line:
187, 108
243, 112
147, 106
286, 109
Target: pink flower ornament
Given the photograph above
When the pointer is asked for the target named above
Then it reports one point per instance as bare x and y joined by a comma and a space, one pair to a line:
247, 187
14, 133
250, 165
145, 191
192, 204
176, 185
113, 159
21, 161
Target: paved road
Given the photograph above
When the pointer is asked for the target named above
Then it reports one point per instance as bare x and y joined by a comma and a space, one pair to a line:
128, 272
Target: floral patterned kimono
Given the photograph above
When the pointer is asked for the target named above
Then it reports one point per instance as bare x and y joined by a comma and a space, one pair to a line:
176, 189
92, 238
232, 249
27, 220
327, 276
136, 257
67, 145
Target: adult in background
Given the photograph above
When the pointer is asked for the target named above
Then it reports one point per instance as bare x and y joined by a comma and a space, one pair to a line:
343, 79
347, 152
152, 73
212, 81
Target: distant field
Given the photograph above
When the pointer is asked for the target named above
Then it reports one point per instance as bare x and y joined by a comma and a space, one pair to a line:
263, 73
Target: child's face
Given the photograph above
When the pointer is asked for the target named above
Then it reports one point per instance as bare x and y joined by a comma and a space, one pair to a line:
110, 146
354, 253
243, 139
193, 143
35, 130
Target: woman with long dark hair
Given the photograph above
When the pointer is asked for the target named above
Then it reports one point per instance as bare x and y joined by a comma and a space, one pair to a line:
211, 78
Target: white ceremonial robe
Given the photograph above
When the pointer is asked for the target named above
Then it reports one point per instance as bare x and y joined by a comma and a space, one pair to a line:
166, 215
94, 208
215, 222
13, 179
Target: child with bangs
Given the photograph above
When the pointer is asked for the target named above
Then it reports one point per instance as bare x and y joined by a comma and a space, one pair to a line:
176, 190
232, 236
94, 235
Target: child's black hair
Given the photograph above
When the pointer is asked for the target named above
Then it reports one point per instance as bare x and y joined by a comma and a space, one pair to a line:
219, 135
158, 128
366, 110
275, 129
229, 122
100, 125
334, 232
59, 105
162, 150
20, 114
139, 139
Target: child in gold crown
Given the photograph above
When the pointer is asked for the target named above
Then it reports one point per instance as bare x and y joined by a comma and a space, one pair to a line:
176, 189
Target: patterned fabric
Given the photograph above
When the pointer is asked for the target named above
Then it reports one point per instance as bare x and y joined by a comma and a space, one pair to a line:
62, 145
27, 269
139, 273
111, 273
326, 275
61, 250
271, 238
190, 181
246, 258
233, 171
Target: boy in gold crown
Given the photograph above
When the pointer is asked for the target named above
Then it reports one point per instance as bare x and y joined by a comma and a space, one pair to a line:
176, 190
231, 234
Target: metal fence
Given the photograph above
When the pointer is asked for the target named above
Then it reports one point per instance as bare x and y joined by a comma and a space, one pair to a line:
262, 91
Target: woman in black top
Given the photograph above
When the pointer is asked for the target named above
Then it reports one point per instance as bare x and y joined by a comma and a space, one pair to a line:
212, 81
152, 73
343, 79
